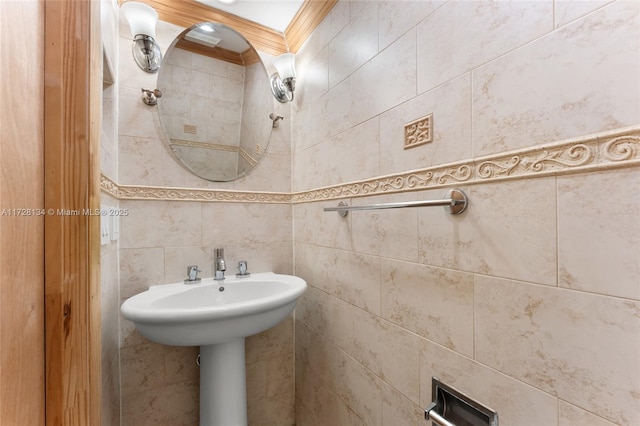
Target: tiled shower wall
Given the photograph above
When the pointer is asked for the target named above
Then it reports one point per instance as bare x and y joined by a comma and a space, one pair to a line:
159, 384
529, 302
109, 284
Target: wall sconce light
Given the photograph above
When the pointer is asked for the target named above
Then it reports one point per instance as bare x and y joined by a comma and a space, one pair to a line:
283, 81
142, 21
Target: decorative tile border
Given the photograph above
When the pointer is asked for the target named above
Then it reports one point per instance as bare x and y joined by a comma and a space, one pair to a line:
616, 149
155, 193
601, 151
216, 147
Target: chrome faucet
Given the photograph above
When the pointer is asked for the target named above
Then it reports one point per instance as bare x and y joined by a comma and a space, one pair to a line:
192, 274
219, 265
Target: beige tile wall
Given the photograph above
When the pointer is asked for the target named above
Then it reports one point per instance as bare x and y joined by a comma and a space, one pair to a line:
159, 384
529, 301
109, 280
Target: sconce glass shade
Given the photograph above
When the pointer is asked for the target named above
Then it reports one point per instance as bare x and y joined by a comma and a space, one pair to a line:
142, 22
283, 82
285, 64
141, 17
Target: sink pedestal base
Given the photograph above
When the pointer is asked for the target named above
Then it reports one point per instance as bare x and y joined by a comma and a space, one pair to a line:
223, 390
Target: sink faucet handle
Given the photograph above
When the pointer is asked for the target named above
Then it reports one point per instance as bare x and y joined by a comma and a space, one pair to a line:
242, 269
192, 273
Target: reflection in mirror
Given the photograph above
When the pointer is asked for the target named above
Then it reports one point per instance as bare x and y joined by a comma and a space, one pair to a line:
216, 102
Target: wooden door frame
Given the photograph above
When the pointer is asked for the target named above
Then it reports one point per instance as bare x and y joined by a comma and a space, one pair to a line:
72, 90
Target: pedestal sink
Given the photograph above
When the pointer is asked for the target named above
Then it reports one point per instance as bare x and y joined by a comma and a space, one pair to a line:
217, 316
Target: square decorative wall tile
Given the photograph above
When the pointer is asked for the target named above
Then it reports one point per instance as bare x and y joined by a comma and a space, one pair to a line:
418, 132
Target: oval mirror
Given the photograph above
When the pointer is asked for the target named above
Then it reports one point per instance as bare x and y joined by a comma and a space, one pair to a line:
215, 104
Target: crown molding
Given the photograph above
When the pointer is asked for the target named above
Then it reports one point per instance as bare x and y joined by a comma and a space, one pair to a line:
309, 16
602, 151
186, 13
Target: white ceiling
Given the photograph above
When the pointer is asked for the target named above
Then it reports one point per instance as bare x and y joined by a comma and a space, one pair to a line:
276, 14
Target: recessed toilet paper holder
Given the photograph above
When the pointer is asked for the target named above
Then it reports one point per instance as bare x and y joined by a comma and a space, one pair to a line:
450, 407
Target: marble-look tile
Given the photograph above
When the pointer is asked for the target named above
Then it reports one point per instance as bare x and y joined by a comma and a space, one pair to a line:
317, 404
599, 232
315, 226
245, 223
271, 174
388, 233
160, 224
349, 276
140, 269
165, 35
180, 364
140, 161
567, 343
109, 308
176, 260
135, 118
175, 404
495, 235
328, 316
301, 354
371, 89
516, 403
570, 415
274, 343
396, 17
110, 393
175, 175
261, 257
278, 411
566, 11
349, 156
389, 351
449, 105
330, 26
333, 410
360, 389
304, 416
432, 302
580, 79
256, 381
142, 368
183, 58
321, 118
477, 32
398, 410
355, 44
312, 79
280, 373
129, 336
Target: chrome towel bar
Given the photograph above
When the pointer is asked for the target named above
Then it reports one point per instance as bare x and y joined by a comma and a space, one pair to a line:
455, 201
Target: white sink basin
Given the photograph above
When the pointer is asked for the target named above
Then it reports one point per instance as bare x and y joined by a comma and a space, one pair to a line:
200, 314
218, 321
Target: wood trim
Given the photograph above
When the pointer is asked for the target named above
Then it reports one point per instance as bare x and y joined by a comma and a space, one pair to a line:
72, 303
212, 52
22, 353
186, 13
309, 16
250, 56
